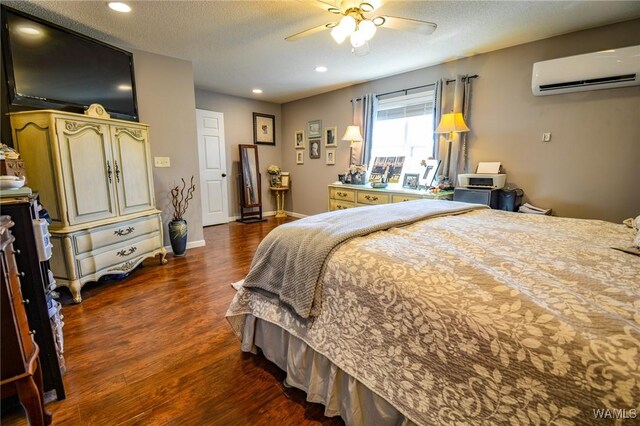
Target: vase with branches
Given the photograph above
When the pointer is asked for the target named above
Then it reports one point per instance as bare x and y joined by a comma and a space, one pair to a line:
180, 197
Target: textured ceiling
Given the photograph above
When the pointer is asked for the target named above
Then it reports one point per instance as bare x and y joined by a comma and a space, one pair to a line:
236, 46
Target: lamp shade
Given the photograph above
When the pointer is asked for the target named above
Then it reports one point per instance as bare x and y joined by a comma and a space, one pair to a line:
452, 122
352, 134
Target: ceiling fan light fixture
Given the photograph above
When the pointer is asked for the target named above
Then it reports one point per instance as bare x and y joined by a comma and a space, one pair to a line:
348, 23
366, 7
379, 20
338, 34
358, 39
367, 28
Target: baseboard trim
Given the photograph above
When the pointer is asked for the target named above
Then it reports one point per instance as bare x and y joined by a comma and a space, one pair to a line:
296, 215
190, 244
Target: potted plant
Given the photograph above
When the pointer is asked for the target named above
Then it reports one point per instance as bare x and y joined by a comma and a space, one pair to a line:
274, 174
178, 225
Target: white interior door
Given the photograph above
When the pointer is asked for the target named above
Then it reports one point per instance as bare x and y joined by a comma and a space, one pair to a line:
213, 167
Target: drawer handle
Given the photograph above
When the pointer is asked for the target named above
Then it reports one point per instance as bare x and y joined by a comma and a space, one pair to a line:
25, 302
125, 253
32, 332
341, 207
370, 198
341, 194
123, 232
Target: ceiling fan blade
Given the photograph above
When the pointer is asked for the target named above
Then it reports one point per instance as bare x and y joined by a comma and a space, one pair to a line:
406, 24
310, 31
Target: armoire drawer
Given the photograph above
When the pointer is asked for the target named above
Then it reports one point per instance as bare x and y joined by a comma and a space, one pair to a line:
366, 197
106, 235
118, 253
401, 198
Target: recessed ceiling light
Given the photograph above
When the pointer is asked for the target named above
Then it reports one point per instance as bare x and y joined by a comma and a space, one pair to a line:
119, 6
257, 91
321, 68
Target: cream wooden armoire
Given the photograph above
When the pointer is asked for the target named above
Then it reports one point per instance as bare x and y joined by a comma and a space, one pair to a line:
93, 175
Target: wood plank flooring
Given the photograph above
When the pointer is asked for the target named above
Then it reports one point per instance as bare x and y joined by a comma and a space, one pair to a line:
155, 349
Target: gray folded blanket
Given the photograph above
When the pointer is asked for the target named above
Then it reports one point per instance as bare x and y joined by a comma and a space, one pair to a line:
290, 260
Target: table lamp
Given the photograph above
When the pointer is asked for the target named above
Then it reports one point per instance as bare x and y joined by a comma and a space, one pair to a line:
451, 123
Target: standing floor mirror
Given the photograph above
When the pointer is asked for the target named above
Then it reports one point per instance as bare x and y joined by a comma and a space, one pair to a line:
250, 188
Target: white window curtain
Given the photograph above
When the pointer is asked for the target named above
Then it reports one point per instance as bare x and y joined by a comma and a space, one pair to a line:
364, 112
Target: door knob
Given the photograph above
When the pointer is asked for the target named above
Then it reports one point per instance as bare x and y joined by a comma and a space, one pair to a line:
224, 175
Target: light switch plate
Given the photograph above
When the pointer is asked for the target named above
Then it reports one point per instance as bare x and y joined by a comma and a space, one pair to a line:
162, 161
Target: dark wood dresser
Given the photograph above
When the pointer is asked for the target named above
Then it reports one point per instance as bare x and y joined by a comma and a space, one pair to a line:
20, 364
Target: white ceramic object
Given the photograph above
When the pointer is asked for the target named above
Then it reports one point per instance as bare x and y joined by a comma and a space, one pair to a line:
11, 182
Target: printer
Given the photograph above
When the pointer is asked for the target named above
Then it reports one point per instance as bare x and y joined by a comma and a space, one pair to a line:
487, 176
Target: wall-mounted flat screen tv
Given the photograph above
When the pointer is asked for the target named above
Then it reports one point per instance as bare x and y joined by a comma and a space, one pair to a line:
48, 66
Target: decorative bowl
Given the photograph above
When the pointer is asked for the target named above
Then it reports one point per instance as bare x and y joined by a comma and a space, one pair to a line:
11, 182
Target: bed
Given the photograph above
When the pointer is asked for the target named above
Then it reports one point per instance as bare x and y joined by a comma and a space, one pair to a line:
468, 315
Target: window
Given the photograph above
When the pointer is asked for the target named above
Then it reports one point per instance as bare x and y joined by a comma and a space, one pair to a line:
404, 127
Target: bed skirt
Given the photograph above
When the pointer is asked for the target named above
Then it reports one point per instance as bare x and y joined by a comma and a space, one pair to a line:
323, 381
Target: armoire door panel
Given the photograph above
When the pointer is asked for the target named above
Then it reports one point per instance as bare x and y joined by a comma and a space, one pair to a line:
88, 171
131, 152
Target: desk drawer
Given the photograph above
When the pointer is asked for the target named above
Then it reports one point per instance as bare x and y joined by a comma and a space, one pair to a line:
343, 194
103, 236
340, 205
401, 198
370, 197
119, 253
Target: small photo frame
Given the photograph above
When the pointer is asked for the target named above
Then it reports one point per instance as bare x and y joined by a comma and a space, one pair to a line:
411, 180
284, 180
298, 139
330, 136
314, 129
264, 129
314, 148
330, 156
430, 172
299, 157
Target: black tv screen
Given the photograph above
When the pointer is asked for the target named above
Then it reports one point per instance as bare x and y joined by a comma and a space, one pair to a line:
50, 67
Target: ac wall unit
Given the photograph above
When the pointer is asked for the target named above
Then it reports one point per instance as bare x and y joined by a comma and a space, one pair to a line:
599, 70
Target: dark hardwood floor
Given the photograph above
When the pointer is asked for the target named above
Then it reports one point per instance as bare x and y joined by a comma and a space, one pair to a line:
155, 348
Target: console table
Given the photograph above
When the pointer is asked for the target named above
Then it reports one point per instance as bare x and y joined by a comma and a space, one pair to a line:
344, 196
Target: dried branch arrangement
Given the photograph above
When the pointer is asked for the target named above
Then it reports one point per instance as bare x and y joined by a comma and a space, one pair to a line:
180, 200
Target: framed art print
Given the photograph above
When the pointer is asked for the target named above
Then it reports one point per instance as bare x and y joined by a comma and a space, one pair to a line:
264, 129
314, 148
299, 157
314, 129
330, 138
330, 156
430, 172
299, 139
411, 180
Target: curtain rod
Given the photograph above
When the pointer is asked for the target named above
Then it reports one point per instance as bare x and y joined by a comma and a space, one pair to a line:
417, 87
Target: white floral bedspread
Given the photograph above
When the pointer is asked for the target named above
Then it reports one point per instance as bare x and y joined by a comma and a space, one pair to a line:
486, 317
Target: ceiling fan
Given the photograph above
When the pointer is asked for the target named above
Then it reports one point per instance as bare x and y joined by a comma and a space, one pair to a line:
358, 27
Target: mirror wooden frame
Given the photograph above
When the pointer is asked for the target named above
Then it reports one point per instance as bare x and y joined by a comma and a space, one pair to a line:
250, 185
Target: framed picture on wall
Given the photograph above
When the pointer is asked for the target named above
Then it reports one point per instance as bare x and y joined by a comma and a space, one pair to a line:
314, 129
330, 138
264, 129
330, 156
314, 148
299, 157
284, 180
299, 139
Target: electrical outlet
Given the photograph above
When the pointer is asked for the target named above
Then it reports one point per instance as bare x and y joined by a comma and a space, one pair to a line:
546, 137
162, 161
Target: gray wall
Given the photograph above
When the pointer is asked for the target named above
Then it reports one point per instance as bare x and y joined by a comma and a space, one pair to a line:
588, 170
238, 129
166, 102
